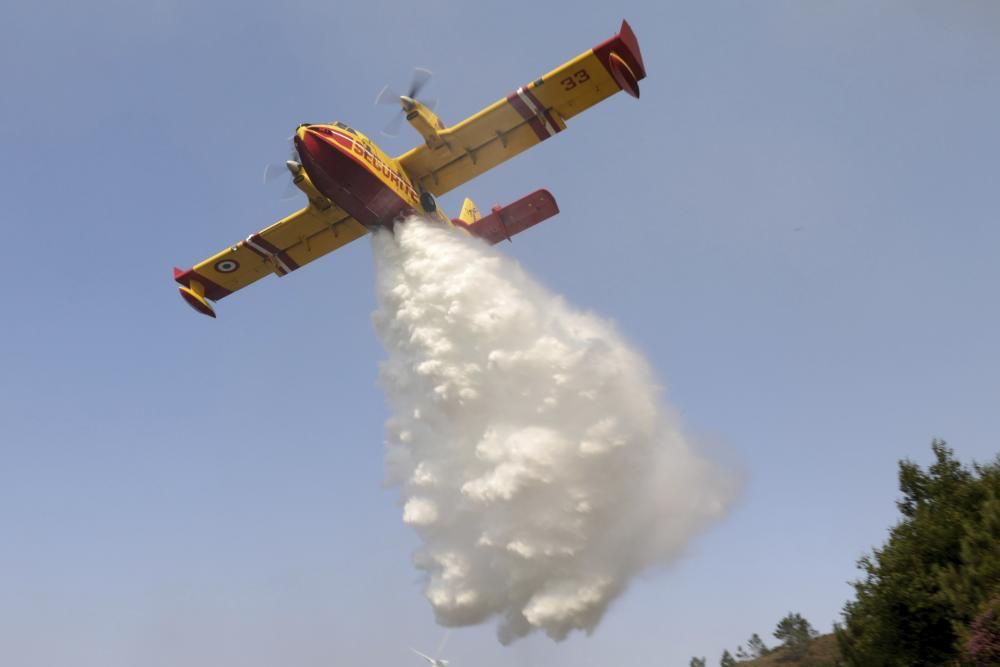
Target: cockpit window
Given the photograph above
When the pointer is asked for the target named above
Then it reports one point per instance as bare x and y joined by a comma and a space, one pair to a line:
345, 127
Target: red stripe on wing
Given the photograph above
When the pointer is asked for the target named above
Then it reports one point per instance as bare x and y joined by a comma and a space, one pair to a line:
259, 240
538, 105
533, 120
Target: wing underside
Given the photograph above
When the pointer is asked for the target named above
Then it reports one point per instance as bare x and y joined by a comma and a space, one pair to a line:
285, 246
528, 116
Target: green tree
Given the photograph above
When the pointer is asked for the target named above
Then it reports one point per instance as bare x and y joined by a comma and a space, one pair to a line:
697, 662
922, 589
757, 647
968, 584
727, 660
794, 632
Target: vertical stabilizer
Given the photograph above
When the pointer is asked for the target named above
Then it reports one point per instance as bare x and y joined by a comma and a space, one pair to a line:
469, 212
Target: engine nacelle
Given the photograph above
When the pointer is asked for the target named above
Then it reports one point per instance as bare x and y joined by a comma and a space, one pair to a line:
423, 121
301, 180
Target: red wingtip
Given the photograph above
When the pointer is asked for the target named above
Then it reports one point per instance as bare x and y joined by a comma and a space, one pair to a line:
620, 55
631, 42
178, 273
623, 75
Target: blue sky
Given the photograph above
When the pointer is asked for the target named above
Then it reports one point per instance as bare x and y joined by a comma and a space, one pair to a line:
796, 223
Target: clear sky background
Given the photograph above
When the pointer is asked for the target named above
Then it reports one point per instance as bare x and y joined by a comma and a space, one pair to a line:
797, 223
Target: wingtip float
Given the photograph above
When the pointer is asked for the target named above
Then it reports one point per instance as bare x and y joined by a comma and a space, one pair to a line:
353, 187
193, 291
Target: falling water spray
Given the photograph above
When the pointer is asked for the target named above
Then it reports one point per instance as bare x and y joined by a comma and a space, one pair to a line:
535, 456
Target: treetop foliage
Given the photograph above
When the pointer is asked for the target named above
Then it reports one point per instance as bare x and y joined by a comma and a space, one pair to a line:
922, 591
929, 596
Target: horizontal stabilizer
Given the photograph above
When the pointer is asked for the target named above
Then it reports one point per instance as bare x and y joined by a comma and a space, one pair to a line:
504, 222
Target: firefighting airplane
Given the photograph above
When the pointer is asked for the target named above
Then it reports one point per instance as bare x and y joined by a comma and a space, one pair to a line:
353, 187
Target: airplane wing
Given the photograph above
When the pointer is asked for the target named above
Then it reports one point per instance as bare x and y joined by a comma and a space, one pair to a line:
527, 116
285, 246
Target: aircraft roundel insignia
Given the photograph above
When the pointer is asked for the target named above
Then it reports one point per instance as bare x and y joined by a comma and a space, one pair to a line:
226, 265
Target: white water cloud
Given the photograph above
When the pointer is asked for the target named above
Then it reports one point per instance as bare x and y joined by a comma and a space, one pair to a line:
535, 457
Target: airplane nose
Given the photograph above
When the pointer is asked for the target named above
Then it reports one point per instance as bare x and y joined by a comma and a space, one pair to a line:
301, 131
305, 142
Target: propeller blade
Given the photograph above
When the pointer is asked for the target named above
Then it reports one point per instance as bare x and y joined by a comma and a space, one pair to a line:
421, 76
387, 96
273, 172
392, 128
290, 191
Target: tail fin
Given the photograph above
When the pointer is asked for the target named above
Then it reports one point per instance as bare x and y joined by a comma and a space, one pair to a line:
469, 212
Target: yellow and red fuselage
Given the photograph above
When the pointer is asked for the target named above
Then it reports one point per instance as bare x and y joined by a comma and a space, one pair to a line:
352, 172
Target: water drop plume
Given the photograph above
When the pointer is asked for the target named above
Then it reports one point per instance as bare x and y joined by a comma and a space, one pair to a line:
535, 457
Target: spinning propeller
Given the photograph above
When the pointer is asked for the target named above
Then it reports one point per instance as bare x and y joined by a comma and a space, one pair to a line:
274, 171
389, 96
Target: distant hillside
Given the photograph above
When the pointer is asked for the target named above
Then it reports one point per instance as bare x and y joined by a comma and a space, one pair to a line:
820, 652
